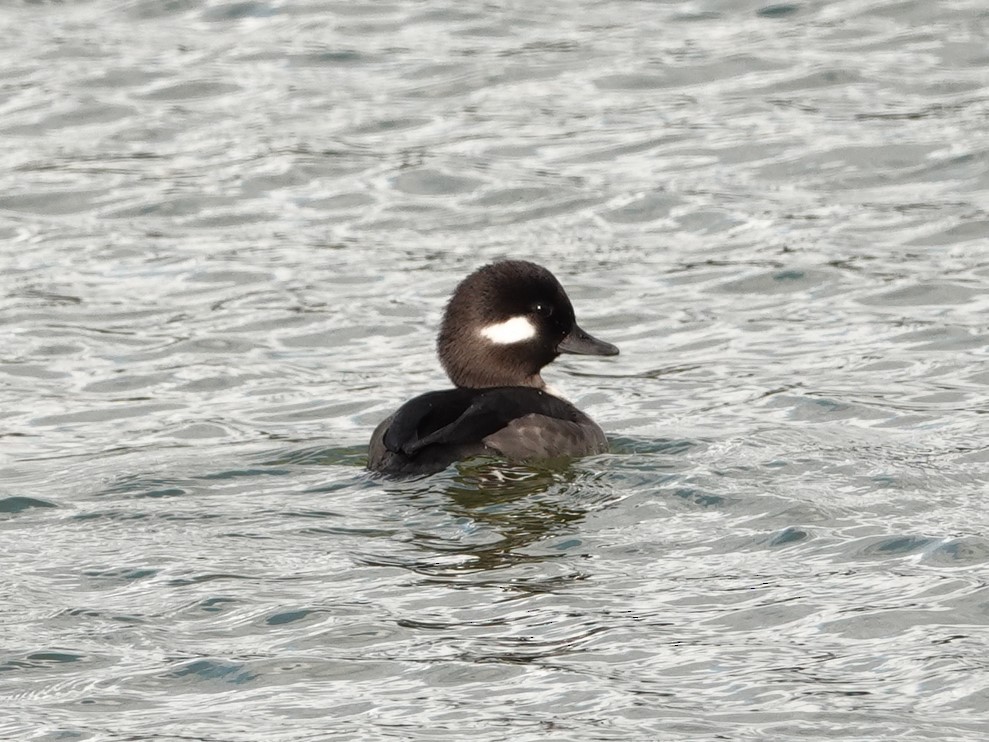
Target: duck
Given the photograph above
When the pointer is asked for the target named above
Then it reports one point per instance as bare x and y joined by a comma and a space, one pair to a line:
504, 323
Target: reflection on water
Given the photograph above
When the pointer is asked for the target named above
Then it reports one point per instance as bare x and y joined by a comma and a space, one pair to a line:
228, 233
491, 513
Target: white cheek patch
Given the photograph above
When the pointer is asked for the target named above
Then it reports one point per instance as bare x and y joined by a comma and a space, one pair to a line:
514, 330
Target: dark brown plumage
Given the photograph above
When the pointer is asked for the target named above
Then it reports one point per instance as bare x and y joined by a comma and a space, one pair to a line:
503, 323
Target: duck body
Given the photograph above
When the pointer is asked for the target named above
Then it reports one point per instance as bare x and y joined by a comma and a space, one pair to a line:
433, 430
504, 323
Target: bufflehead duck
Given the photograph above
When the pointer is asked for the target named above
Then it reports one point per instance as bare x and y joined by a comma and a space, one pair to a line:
504, 323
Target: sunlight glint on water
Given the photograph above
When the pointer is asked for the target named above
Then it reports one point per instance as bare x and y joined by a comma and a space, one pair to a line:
229, 230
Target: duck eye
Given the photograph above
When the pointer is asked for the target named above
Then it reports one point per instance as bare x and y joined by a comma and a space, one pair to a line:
543, 310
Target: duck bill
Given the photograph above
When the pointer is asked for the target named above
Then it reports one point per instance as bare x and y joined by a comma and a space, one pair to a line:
581, 343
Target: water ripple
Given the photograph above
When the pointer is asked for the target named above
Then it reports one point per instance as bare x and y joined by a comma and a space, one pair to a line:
230, 230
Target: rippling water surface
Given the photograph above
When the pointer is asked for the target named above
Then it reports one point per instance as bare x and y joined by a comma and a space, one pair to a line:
227, 233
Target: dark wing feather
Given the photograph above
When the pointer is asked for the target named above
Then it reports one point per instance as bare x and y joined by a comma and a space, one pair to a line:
437, 428
492, 410
421, 416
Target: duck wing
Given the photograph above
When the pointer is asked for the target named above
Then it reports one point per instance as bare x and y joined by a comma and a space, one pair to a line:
431, 431
458, 416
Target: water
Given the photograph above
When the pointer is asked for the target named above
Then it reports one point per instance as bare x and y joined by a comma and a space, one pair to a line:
228, 231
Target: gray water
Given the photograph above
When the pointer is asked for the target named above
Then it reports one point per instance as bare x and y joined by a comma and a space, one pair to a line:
227, 233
